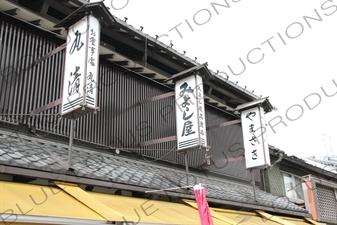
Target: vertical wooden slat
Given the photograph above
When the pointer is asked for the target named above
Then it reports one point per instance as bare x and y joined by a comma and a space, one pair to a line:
117, 100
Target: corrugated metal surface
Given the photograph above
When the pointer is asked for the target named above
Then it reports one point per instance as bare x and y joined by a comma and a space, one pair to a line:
120, 123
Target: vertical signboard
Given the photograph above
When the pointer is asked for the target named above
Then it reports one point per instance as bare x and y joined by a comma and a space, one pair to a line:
81, 68
201, 110
255, 138
92, 62
190, 113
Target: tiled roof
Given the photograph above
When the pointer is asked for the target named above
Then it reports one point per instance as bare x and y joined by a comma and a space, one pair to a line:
327, 164
325, 160
34, 153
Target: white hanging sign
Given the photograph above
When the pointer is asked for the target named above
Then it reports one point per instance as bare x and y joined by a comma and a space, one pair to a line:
255, 138
81, 68
190, 113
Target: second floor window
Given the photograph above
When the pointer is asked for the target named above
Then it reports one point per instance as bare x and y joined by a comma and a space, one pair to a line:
292, 186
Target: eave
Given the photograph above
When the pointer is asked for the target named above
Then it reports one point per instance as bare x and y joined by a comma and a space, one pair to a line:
130, 48
301, 165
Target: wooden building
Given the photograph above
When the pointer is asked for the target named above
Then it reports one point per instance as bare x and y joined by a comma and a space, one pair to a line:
126, 148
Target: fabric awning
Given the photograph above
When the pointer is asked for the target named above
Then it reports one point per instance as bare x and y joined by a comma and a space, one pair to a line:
110, 214
136, 210
69, 204
151, 211
36, 204
44, 201
234, 217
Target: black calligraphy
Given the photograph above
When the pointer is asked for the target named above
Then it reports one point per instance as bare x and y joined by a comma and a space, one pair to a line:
251, 130
90, 83
253, 139
74, 84
187, 117
90, 77
92, 48
185, 88
249, 114
77, 44
91, 61
187, 129
200, 109
254, 154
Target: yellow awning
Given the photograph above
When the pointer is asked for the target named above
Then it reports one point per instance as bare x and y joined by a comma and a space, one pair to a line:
244, 218
287, 220
137, 210
234, 217
151, 211
37, 200
258, 217
276, 218
312, 221
110, 214
72, 202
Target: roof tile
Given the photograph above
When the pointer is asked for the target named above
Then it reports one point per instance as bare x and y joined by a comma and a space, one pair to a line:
40, 165
2, 152
112, 176
15, 155
20, 162
5, 159
102, 166
33, 158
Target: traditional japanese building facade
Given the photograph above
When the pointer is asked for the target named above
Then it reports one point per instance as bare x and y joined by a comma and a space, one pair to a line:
127, 145
128, 119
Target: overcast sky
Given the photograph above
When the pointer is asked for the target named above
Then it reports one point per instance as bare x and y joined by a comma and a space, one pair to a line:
287, 56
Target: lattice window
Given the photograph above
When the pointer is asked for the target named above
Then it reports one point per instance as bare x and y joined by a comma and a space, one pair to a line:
327, 202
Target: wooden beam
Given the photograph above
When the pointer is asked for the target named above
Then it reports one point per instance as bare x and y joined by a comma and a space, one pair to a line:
224, 124
122, 63
59, 6
222, 90
160, 80
107, 56
45, 107
158, 97
150, 53
149, 75
44, 8
36, 22
12, 12
158, 141
137, 69
120, 30
49, 54
214, 104
58, 31
228, 160
135, 38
